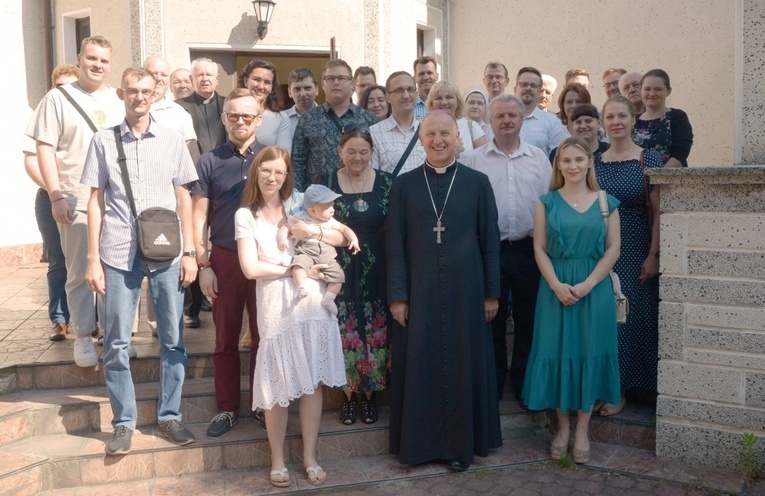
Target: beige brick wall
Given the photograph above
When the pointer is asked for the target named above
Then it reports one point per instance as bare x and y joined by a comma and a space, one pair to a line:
712, 314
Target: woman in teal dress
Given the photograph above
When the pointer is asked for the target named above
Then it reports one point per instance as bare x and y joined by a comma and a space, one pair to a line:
363, 311
574, 359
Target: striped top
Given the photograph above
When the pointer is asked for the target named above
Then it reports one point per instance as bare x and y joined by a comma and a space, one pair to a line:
157, 162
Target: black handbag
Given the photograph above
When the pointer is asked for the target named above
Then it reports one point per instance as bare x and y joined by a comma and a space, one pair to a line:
158, 230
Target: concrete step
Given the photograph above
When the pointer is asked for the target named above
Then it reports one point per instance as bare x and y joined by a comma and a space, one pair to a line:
66, 460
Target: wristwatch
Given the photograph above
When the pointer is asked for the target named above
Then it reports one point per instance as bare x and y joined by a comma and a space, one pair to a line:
191, 254
204, 265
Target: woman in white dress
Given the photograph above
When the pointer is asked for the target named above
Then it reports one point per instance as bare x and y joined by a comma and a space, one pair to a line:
259, 76
300, 347
446, 96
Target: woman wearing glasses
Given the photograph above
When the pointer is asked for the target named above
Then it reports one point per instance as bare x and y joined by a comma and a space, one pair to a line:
299, 347
445, 96
665, 130
363, 311
259, 76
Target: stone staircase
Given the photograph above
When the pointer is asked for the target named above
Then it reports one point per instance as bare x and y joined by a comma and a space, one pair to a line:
55, 421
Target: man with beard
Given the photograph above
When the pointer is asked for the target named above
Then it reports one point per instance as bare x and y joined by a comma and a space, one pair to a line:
519, 174
442, 248
540, 129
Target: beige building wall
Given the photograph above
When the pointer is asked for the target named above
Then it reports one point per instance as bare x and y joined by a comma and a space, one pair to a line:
22, 86
693, 40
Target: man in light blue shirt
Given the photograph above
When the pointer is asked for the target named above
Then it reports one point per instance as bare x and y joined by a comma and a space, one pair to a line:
540, 129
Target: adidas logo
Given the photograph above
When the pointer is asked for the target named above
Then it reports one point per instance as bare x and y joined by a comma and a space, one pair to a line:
161, 240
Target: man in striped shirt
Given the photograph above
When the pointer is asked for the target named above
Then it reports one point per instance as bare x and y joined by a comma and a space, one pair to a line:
160, 170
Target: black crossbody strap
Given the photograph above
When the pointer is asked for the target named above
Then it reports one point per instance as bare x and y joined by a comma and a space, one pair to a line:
79, 109
122, 160
407, 152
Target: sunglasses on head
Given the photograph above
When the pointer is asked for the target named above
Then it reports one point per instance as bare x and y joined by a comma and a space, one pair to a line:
349, 128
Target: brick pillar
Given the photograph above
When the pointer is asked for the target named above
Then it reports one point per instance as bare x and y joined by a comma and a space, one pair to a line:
712, 314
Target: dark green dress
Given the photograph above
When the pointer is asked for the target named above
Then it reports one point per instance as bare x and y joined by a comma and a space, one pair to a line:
574, 354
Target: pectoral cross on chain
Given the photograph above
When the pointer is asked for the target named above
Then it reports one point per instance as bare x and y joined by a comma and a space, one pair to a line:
438, 230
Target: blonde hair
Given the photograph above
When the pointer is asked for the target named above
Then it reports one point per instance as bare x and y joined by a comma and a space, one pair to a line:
557, 181
459, 112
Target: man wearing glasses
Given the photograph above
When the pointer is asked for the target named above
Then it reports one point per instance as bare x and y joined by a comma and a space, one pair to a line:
159, 168
540, 129
495, 79
393, 136
222, 176
62, 135
314, 149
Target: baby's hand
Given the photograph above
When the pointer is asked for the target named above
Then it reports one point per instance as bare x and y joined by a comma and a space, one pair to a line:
354, 246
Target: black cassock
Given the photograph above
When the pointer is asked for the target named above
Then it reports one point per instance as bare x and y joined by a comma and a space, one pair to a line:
443, 383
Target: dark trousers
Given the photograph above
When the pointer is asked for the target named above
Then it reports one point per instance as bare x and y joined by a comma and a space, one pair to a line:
58, 310
234, 293
193, 299
519, 274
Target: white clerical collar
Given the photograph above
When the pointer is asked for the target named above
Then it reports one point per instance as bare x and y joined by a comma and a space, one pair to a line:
441, 170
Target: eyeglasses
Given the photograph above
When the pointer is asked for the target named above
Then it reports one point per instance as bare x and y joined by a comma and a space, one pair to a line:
265, 173
336, 79
533, 86
132, 92
494, 77
246, 118
349, 128
400, 91
614, 84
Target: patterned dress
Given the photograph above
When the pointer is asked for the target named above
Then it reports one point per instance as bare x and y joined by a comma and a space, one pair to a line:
670, 135
639, 336
362, 309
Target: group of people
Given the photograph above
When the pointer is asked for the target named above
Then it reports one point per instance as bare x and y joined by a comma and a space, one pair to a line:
362, 261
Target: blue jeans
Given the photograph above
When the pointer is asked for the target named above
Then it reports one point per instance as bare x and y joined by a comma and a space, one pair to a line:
122, 291
58, 310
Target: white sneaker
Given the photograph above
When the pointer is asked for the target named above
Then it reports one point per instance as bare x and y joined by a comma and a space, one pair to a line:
84, 352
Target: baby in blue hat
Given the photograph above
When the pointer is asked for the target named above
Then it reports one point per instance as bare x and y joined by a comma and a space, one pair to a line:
318, 210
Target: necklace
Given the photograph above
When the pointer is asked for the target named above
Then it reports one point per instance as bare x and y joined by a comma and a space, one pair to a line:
439, 228
360, 205
270, 220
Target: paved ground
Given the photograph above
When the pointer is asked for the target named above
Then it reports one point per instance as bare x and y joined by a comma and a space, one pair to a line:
613, 471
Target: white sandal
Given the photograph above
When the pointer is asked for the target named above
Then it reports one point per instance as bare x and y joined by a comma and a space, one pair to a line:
285, 478
316, 477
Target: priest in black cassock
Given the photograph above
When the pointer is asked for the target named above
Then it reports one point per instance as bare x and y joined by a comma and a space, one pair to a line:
442, 244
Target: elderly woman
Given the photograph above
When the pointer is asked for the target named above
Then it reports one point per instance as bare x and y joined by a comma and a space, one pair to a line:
299, 341
373, 99
259, 76
619, 171
445, 96
476, 101
660, 128
363, 309
571, 95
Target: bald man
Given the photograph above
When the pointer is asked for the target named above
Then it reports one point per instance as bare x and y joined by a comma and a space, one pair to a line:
443, 283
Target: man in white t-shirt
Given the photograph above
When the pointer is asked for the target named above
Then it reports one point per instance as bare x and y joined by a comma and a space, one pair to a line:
62, 138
